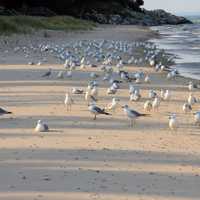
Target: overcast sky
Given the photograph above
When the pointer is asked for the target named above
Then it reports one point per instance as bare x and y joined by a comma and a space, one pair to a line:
174, 5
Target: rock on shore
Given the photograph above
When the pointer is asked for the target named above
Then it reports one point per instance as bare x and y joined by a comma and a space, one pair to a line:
147, 18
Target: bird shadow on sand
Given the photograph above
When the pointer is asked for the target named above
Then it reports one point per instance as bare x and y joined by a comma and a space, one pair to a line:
80, 122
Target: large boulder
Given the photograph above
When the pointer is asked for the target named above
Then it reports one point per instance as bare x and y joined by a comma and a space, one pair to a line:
162, 17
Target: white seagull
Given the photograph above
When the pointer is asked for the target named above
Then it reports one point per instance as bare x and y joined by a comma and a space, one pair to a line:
156, 103
113, 105
148, 106
192, 86
187, 107
192, 100
173, 122
41, 126
68, 101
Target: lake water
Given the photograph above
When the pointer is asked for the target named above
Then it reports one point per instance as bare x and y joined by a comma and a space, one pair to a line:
184, 42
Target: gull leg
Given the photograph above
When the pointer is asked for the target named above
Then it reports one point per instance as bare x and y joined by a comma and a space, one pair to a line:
95, 117
134, 122
131, 123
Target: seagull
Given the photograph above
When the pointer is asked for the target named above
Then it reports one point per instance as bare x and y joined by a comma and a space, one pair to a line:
152, 63
135, 96
4, 112
69, 74
162, 68
148, 106
162, 94
166, 95
94, 92
187, 107
60, 75
77, 91
48, 73
132, 114
133, 89
197, 118
113, 105
68, 101
192, 86
192, 100
125, 76
111, 90
172, 74
156, 103
173, 123
89, 98
147, 79
152, 94
41, 126
93, 75
97, 111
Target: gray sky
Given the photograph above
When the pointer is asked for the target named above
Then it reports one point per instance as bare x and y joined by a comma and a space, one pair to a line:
174, 5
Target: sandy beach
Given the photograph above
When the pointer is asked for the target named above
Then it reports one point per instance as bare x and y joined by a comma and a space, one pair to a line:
85, 159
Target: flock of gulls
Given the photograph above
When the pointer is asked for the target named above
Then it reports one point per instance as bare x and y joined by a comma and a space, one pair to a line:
111, 57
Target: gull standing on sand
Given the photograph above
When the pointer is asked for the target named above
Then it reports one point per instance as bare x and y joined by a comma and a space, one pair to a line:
173, 122
111, 90
147, 79
41, 126
132, 114
68, 101
94, 92
172, 74
187, 107
97, 111
167, 95
152, 94
77, 91
89, 98
60, 75
113, 105
191, 99
135, 96
148, 106
156, 103
192, 86
132, 89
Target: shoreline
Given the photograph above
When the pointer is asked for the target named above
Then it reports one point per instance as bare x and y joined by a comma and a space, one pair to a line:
180, 42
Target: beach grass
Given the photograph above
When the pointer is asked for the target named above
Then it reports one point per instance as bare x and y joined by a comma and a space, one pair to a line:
27, 24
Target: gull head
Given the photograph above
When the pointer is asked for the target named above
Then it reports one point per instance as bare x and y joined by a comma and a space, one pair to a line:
172, 116
39, 121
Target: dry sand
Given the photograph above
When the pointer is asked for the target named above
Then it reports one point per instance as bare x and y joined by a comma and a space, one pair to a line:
82, 159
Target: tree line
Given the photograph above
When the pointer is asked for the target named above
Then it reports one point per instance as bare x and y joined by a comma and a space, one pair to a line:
64, 6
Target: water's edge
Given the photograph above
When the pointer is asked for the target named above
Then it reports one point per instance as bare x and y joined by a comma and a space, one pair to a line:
183, 41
